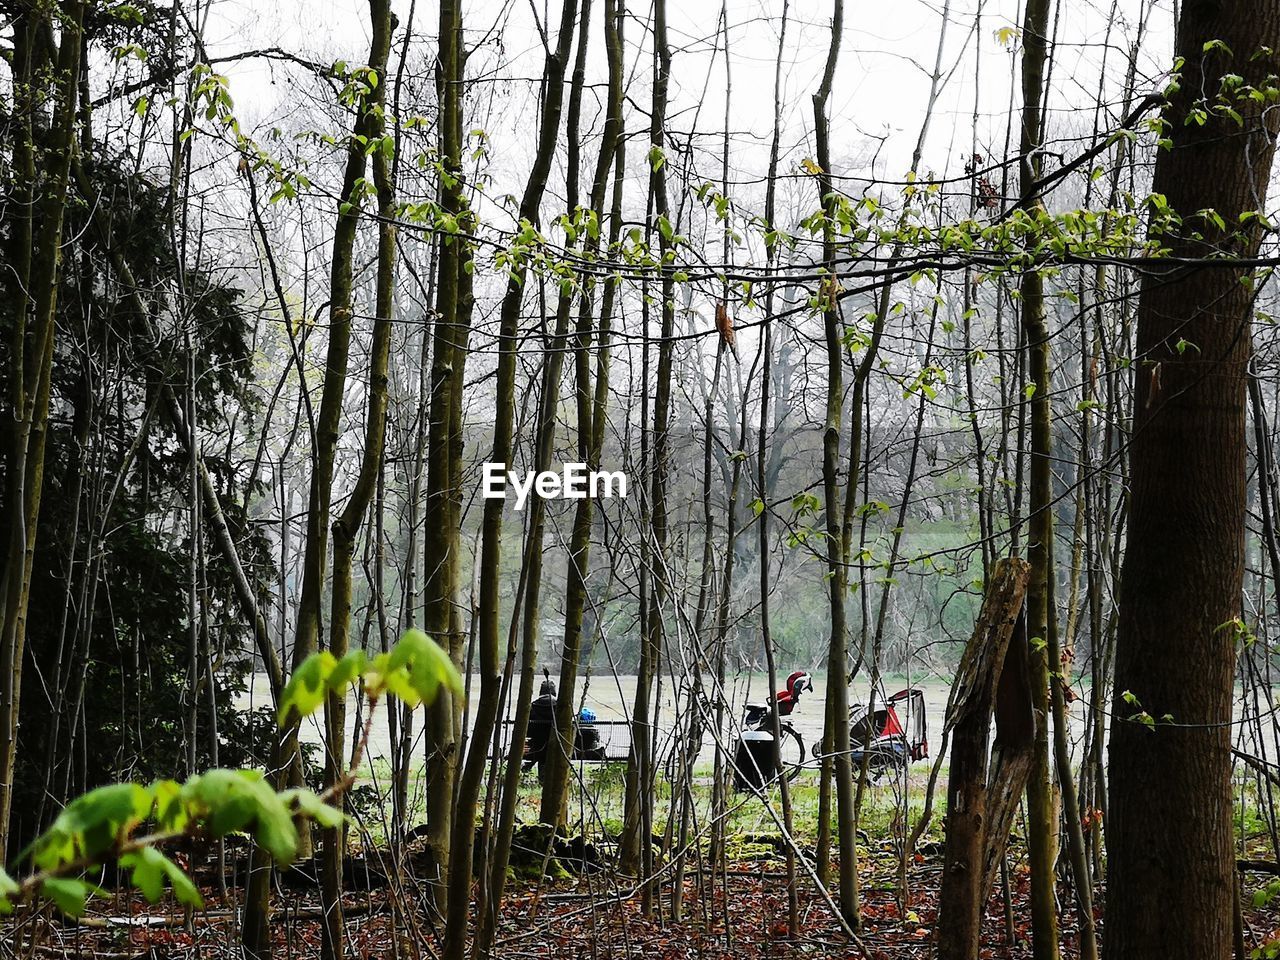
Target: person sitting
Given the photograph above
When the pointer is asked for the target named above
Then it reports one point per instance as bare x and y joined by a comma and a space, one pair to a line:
542, 723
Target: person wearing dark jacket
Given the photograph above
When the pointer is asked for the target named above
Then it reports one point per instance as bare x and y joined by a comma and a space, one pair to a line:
542, 723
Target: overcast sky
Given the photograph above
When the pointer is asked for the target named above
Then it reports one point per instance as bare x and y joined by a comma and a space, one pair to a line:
880, 89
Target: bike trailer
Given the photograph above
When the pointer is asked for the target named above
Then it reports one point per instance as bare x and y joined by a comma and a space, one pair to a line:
896, 732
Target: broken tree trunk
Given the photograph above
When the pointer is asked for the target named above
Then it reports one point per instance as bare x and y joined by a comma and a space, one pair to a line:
984, 787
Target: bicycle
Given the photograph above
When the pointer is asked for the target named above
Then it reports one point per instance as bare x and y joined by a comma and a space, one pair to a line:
758, 760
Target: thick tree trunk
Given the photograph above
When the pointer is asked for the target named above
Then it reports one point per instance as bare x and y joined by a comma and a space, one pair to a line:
1171, 874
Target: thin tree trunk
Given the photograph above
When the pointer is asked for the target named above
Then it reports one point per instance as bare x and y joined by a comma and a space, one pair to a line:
637, 845
591, 412
441, 543
462, 842
347, 527
38, 269
367, 124
1042, 818
544, 442
837, 573
770, 212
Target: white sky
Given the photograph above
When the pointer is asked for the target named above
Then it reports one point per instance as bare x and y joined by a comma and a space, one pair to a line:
880, 89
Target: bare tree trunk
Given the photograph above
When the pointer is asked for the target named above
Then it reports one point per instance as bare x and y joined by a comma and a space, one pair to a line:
1042, 818
37, 264
544, 442
637, 845
591, 411
462, 842
972, 795
347, 526
837, 573
770, 212
367, 125
441, 542
1171, 872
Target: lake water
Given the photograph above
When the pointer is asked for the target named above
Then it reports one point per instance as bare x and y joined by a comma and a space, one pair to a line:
611, 698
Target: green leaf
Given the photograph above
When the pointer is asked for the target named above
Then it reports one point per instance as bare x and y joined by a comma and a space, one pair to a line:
8, 888
275, 831
347, 670
219, 798
306, 689
69, 893
150, 870
183, 887
91, 824
170, 808
148, 877
428, 664
380, 678
235, 800
311, 806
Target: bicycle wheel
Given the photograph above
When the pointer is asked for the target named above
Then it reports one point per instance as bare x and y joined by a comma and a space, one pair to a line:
885, 764
791, 753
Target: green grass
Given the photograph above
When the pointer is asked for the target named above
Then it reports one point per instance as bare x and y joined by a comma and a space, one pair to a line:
597, 801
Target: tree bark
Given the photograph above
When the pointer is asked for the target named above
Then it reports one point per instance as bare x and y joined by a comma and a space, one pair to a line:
1042, 819
42, 161
972, 796
462, 841
637, 847
441, 541
1171, 873
544, 442
347, 526
837, 573
591, 409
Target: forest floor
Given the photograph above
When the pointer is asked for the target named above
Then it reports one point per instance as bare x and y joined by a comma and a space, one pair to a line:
598, 915
595, 916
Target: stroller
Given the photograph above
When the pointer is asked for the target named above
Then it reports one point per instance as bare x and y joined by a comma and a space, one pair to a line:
891, 738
